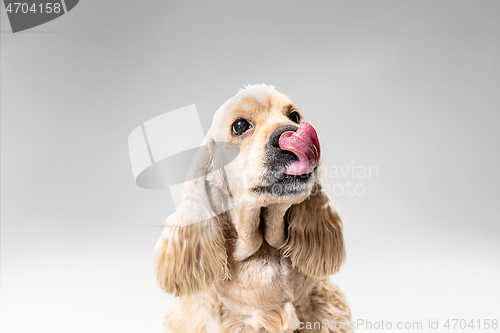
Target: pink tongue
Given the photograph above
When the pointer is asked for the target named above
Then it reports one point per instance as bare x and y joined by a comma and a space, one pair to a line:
305, 144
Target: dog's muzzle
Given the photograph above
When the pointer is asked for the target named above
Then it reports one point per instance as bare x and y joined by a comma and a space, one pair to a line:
304, 144
292, 154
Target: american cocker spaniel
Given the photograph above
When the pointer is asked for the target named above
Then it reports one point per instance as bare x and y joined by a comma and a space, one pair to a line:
254, 240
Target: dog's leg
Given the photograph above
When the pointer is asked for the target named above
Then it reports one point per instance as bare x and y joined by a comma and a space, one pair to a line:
195, 314
326, 305
274, 224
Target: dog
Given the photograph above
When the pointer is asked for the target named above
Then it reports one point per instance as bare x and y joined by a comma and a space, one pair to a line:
252, 243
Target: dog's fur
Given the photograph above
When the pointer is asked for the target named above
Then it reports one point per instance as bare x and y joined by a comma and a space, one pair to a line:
264, 263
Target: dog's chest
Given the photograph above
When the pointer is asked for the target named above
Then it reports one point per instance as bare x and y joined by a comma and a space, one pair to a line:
266, 272
262, 278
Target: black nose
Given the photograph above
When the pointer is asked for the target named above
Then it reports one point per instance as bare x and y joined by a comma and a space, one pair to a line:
274, 140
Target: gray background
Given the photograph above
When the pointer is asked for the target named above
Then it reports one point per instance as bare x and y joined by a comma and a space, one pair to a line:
411, 87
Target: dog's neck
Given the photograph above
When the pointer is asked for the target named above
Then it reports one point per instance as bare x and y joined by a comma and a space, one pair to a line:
274, 224
255, 225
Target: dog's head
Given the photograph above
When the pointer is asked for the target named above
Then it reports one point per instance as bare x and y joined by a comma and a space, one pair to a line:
279, 153
274, 180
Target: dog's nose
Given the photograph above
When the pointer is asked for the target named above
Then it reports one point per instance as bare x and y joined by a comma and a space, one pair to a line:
274, 140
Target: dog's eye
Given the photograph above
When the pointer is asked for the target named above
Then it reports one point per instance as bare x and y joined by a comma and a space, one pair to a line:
295, 117
240, 126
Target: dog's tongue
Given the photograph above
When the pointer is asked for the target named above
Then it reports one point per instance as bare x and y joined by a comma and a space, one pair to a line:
305, 144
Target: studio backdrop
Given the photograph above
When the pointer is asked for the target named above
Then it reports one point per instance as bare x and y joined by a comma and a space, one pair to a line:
404, 95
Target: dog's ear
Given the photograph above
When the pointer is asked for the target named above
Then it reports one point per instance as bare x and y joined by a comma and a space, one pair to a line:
315, 241
191, 254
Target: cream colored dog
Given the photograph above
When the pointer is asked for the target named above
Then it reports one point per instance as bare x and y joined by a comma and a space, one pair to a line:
251, 246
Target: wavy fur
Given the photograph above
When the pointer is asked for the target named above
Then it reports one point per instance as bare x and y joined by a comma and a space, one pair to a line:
191, 253
316, 242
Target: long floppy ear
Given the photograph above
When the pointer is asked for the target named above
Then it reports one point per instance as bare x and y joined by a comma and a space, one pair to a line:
191, 254
315, 241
